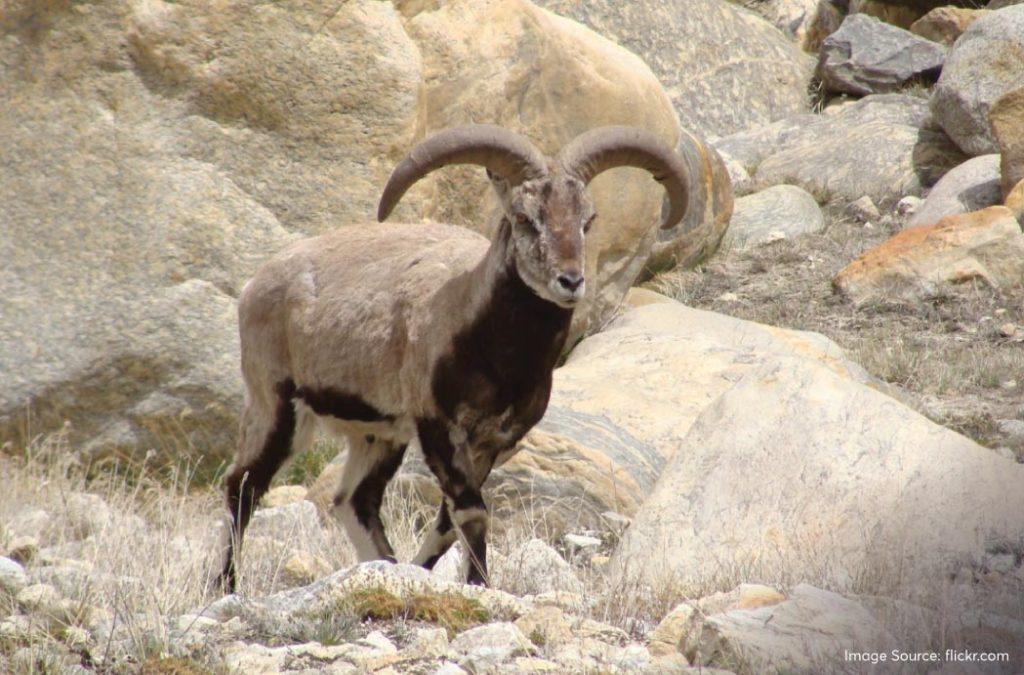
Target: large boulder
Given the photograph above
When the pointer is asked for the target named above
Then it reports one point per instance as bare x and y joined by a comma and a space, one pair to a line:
796, 472
866, 56
551, 79
1007, 120
984, 64
826, 154
725, 69
923, 261
972, 186
624, 399
945, 24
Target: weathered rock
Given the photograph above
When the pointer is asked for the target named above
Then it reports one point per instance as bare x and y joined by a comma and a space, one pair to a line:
809, 632
303, 567
740, 67
488, 646
866, 56
917, 263
283, 495
536, 568
189, 140
827, 159
29, 521
41, 598
12, 577
972, 186
296, 521
86, 514
474, 74
779, 212
901, 14
1015, 201
1007, 120
793, 468
623, 401
984, 64
864, 210
826, 154
807, 22
945, 24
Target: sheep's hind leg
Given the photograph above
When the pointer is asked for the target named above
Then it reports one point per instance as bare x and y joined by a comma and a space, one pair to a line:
266, 442
370, 464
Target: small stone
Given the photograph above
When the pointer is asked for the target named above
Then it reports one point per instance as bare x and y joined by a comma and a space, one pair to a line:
667, 637
1008, 384
42, 598
23, 549
377, 640
909, 205
86, 514
1008, 330
76, 637
1013, 429
616, 521
12, 577
728, 296
581, 542
428, 643
864, 210
449, 668
302, 568
283, 495
536, 568
545, 625
488, 646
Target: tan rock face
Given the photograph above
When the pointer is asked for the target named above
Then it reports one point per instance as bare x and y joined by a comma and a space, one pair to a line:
982, 245
1015, 200
798, 472
1007, 120
945, 24
508, 62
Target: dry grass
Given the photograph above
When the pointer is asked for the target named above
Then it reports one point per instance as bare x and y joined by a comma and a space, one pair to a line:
945, 354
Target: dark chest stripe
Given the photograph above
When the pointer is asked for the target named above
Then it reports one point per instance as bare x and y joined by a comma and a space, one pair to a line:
332, 402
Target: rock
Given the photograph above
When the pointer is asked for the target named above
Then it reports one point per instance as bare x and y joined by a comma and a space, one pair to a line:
297, 521
1007, 120
984, 64
12, 577
488, 646
23, 549
805, 21
738, 176
826, 154
625, 398
771, 479
899, 14
40, 598
667, 637
86, 514
581, 542
1013, 429
945, 24
761, 217
1015, 201
866, 56
475, 68
697, 236
184, 176
282, 495
864, 210
428, 643
738, 64
29, 521
545, 625
449, 668
909, 205
917, 263
303, 567
807, 632
972, 186
534, 567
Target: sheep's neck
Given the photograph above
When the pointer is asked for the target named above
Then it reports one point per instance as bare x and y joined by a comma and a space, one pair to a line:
516, 333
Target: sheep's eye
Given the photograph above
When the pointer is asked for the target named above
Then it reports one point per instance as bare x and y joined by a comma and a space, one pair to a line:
590, 221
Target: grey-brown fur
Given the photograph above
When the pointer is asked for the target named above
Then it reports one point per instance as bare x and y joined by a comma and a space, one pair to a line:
386, 331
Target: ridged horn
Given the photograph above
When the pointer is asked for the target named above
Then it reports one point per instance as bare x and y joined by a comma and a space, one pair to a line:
499, 150
598, 150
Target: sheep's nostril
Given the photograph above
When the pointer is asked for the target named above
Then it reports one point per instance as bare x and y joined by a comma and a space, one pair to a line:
570, 282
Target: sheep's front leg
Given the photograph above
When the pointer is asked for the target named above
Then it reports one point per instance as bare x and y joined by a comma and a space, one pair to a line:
462, 499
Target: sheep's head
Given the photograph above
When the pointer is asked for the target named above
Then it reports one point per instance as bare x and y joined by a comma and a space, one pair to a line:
545, 201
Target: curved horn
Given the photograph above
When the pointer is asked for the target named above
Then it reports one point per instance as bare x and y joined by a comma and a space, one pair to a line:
499, 150
605, 148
